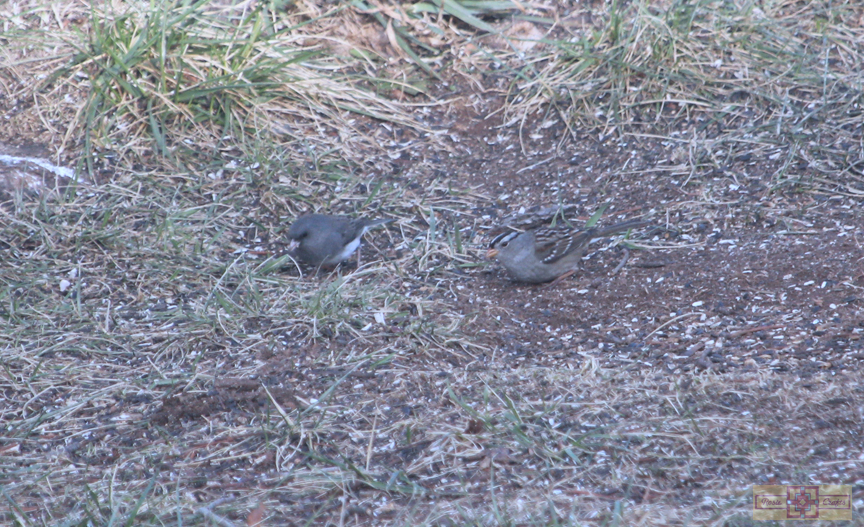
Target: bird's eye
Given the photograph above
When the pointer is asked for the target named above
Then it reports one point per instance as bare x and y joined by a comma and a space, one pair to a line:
505, 244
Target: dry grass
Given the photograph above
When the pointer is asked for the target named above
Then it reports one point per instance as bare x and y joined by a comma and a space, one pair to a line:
135, 293
164, 364
131, 81
721, 80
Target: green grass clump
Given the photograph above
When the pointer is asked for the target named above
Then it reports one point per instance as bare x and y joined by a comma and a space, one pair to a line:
170, 78
751, 78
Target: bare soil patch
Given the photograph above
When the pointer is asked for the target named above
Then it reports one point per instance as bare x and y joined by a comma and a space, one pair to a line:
161, 363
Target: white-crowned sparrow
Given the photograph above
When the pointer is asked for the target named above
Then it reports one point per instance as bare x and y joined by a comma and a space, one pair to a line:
548, 253
322, 239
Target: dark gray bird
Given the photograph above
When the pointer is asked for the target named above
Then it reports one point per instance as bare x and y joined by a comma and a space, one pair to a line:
322, 239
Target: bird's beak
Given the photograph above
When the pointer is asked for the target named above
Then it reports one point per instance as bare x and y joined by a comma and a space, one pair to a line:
491, 253
293, 244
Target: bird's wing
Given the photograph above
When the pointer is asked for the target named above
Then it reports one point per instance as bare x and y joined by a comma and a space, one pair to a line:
359, 226
552, 244
349, 229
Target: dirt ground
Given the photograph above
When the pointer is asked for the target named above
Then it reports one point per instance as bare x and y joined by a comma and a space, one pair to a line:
743, 306
756, 274
726, 352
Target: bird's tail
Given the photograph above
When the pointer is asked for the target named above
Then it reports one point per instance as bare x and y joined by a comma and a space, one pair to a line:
618, 227
371, 224
374, 223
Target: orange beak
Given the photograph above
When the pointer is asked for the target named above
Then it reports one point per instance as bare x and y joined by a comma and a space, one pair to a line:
491, 253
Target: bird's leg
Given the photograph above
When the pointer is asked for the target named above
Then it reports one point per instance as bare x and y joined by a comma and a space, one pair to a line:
332, 271
562, 277
328, 269
623, 261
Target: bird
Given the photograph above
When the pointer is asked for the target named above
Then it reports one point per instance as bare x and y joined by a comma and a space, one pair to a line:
327, 240
544, 254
